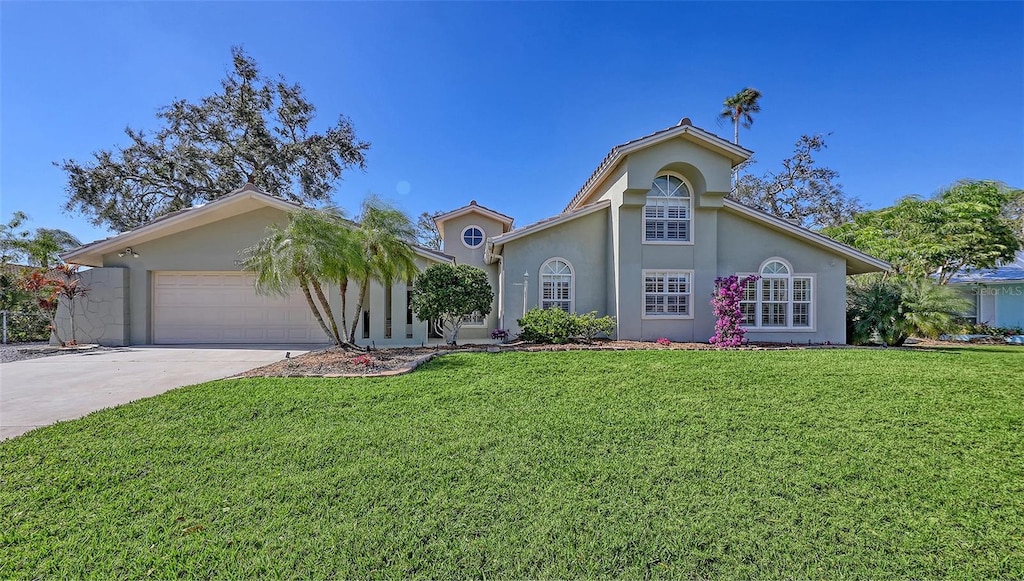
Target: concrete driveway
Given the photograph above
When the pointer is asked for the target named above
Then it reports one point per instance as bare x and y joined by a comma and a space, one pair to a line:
39, 392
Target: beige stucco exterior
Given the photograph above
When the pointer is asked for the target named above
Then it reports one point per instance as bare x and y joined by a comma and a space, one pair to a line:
119, 308
600, 235
609, 255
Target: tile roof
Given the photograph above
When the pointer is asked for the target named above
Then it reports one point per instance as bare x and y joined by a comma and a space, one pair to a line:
615, 151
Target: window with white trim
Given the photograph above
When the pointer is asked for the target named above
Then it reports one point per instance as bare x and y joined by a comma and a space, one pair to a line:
779, 299
667, 293
557, 285
667, 213
472, 236
473, 320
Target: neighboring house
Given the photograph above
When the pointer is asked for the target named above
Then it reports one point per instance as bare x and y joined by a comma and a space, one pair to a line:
643, 241
997, 294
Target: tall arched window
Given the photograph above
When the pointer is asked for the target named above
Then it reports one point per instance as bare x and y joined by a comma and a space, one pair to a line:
667, 213
779, 298
557, 285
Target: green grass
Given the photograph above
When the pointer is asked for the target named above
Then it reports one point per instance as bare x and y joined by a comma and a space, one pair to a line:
816, 463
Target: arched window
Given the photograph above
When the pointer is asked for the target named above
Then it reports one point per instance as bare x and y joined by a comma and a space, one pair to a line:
472, 236
779, 298
557, 285
667, 213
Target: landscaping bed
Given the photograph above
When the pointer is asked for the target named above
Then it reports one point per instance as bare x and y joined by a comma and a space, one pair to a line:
340, 362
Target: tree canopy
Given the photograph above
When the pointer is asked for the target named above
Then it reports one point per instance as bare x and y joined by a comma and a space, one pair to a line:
380, 252
255, 128
740, 109
964, 226
802, 192
450, 293
427, 234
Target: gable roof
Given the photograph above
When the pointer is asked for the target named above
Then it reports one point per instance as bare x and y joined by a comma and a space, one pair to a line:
498, 241
473, 208
244, 199
685, 128
857, 262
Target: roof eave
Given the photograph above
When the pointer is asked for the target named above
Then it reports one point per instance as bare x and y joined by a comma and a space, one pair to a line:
857, 262
91, 254
736, 154
499, 241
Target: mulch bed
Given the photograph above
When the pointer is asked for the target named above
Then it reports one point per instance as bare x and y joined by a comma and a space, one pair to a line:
339, 362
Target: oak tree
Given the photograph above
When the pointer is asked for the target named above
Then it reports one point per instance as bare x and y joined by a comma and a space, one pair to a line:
255, 128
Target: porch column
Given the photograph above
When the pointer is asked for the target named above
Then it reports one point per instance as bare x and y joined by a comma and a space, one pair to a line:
378, 317
399, 304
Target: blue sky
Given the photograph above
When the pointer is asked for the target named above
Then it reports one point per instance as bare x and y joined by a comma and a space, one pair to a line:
515, 104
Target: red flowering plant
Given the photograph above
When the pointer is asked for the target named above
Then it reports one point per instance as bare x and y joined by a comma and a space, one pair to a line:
364, 360
729, 330
664, 341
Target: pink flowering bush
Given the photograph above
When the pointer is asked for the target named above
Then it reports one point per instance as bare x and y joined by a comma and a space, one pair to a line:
664, 342
729, 330
363, 360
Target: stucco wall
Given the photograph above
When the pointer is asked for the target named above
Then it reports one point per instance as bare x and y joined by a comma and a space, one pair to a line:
722, 244
101, 316
454, 246
703, 169
743, 245
213, 246
582, 242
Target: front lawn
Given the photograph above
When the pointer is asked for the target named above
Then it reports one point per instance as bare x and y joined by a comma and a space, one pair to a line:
814, 463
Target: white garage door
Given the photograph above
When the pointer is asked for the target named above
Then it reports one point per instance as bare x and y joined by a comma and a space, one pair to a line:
223, 307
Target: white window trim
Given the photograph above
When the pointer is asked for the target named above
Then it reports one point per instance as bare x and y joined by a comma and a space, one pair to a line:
483, 236
572, 283
643, 295
643, 216
481, 325
813, 309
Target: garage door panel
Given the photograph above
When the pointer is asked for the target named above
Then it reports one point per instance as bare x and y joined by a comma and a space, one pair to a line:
194, 307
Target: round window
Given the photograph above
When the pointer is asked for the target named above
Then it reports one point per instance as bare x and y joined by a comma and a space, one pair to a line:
472, 236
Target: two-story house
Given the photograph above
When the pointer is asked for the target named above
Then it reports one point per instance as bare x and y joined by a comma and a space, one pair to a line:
643, 240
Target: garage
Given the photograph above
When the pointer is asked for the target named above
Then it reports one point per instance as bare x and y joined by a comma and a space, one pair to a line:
223, 307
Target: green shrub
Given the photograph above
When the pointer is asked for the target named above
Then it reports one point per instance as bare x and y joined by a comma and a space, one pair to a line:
891, 310
590, 326
557, 326
23, 327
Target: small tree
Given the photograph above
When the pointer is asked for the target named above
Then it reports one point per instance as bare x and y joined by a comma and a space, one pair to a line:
49, 287
729, 330
41, 288
450, 293
68, 286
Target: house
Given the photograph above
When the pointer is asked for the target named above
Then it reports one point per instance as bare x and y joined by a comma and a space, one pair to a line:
643, 240
177, 280
997, 294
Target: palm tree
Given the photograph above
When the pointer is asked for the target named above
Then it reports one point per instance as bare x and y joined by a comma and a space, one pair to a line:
381, 241
41, 248
299, 254
899, 307
740, 108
